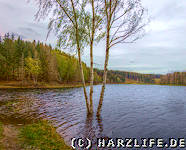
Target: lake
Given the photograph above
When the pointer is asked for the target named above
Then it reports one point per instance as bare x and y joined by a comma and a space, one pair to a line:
132, 111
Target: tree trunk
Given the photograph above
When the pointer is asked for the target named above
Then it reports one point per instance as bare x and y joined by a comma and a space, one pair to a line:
34, 79
105, 71
83, 80
22, 68
91, 78
91, 60
79, 58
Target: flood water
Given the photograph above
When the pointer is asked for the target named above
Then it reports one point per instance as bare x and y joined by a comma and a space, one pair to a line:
129, 111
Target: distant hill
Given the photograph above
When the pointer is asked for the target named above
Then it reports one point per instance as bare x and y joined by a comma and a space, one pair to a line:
37, 62
115, 76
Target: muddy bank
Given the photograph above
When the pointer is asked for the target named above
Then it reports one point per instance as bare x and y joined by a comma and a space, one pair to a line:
19, 110
19, 120
9, 139
15, 113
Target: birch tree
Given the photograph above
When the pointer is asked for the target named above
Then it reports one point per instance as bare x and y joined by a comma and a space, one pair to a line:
125, 23
76, 27
96, 33
68, 23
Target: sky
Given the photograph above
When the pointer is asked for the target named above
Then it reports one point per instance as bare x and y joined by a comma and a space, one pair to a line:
161, 50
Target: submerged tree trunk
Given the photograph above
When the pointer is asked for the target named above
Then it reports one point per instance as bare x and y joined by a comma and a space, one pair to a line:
79, 58
105, 70
91, 79
91, 59
123, 27
83, 80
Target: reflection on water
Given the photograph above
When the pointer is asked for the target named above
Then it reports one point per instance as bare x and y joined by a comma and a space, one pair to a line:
133, 111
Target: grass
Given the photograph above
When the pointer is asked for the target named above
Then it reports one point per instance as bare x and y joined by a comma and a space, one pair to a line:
42, 136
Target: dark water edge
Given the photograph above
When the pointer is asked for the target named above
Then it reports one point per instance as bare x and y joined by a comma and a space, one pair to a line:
129, 111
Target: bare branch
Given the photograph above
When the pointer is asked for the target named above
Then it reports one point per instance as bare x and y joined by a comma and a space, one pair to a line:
124, 37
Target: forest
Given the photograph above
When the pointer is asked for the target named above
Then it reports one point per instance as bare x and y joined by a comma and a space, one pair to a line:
177, 78
33, 62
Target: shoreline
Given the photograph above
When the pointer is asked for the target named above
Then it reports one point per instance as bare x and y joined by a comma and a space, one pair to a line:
41, 85
20, 131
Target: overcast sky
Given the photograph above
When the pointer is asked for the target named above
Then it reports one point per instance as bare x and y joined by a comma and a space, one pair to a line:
162, 50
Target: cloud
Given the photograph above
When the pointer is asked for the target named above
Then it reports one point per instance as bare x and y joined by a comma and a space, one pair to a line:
7, 6
28, 31
161, 50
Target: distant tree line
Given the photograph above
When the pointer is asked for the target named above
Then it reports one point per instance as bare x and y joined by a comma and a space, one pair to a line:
178, 78
122, 76
37, 62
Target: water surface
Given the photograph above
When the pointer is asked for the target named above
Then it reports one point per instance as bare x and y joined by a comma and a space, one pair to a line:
133, 111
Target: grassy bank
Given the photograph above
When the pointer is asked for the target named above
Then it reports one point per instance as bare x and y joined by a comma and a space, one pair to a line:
17, 84
55, 85
18, 131
42, 135
36, 136
43, 85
